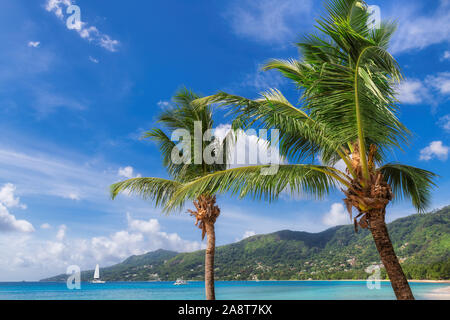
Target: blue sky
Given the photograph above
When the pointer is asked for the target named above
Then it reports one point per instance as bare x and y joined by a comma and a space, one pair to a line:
73, 105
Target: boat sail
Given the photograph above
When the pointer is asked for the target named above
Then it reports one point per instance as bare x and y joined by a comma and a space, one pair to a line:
97, 275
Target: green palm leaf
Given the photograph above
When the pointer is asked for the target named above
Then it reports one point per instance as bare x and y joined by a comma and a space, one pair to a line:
156, 189
410, 183
251, 181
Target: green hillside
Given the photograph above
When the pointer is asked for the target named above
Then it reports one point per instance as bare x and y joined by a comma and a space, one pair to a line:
422, 243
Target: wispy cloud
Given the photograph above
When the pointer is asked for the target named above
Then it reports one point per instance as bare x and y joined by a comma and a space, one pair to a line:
47, 100
263, 80
430, 90
418, 31
412, 91
34, 44
440, 82
163, 104
48, 175
57, 7
258, 81
268, 21
444, 122
94, 60
90, 33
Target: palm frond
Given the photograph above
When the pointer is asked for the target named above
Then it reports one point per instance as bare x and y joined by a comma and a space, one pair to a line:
166, 148
292, 69
252, 181
410, 183
300, 136
156, 189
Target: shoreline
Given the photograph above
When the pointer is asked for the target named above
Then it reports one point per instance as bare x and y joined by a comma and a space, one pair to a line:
356, 280
384, 280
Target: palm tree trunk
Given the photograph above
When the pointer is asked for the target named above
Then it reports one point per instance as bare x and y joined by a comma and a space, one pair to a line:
209, 261
388, 257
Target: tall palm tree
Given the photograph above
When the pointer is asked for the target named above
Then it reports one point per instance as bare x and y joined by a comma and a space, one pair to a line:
185, 116
348, 113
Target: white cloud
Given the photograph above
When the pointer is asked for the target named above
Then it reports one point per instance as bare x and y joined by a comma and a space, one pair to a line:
444, 122
435, 149
269, 21
57, 7
61, 234
46, 226
7, 197
90, 33
446, 55
93, 60
34, 44
8, 222
248, 233
150, 226
108, 43
440, 82
163, 104
72, 196
417, 31
337, 215
52, 257
340, 165
127, 172
430, 90
412, 91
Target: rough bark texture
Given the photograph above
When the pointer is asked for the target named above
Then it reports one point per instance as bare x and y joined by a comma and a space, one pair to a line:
388, 257
205, 218
209, 261
370, 198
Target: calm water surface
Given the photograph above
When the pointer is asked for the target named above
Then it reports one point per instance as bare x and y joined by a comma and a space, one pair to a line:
226, 290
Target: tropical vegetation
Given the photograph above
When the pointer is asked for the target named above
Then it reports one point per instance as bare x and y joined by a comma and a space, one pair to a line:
422, 242
184, 165
348, 113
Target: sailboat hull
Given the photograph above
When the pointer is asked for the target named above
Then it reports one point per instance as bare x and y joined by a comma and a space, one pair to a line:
98, 281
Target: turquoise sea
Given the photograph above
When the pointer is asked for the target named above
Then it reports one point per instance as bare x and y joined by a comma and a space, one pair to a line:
225, 290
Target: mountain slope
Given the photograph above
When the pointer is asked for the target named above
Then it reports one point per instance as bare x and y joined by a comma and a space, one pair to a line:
421, 241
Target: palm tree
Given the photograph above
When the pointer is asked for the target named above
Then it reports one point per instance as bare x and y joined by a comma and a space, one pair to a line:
349, 113
184, 116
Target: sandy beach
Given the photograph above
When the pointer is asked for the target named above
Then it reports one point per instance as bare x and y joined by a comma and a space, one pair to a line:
429, 281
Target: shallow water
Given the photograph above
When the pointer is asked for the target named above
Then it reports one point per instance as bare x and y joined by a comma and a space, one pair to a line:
225, 290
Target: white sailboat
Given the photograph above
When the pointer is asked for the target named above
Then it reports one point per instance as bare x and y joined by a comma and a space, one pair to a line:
97, 275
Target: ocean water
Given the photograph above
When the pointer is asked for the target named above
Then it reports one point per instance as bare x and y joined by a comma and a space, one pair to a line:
225, 290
